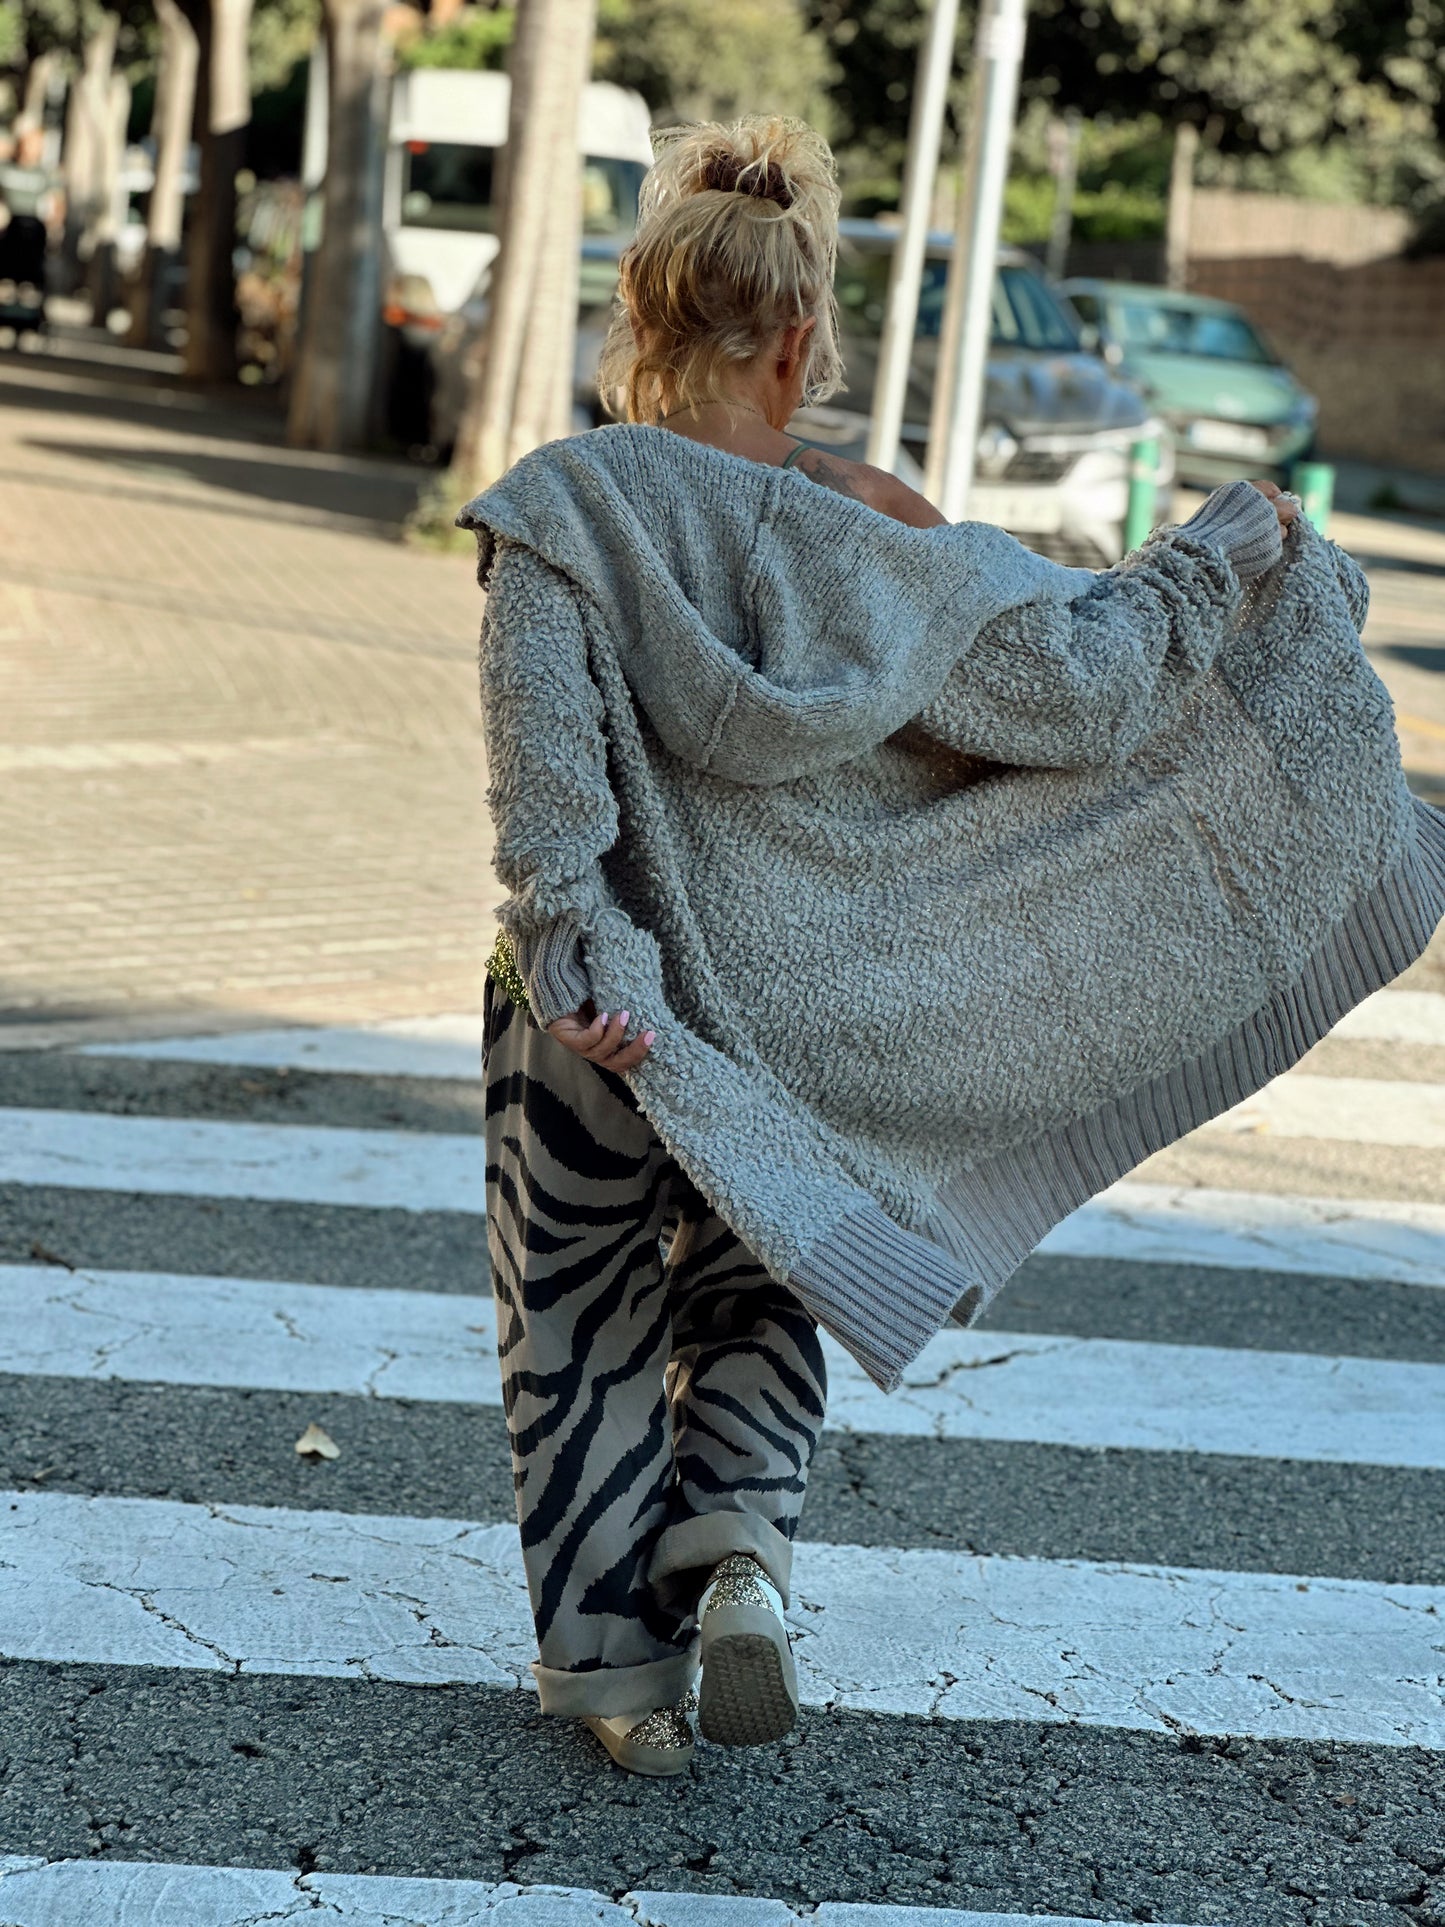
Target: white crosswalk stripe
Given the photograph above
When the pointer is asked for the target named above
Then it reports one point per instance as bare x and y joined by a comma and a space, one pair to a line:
141, 1582
451, 1046
442, 1171
1342, 1110
287, 1163
1379, 1240
37, 1893
1101, 1393
197, 1587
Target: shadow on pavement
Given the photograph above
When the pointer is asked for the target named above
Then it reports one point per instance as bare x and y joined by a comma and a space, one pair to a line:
349, 493
257, 463
1419, 655
1396, 564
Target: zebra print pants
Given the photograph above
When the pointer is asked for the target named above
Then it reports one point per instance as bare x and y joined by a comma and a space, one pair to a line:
662, 1412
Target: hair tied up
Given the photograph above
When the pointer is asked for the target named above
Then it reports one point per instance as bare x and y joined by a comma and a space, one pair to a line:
763, 179
737, 239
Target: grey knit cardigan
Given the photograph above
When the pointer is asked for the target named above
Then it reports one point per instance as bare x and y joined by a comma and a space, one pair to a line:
953, 882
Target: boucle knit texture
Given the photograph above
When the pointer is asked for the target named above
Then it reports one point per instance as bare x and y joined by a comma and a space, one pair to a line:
952, 881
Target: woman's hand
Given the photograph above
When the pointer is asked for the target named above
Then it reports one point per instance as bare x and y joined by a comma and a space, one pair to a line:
1286, 507
600, 1038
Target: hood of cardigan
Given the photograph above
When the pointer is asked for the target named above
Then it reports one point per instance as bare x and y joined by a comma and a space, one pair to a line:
767, 626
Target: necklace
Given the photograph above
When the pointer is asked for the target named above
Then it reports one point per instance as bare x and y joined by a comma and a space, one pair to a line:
693, 408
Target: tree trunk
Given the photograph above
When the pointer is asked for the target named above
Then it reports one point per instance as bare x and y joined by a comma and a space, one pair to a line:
223, 109
523, 390
102, 277
30, 121
333, 388
86, 122
171, 123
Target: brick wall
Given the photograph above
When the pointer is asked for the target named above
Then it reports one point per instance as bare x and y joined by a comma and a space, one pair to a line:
1361, 326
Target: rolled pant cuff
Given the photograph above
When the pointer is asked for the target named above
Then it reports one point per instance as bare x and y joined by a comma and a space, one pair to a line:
710, 1536
613, 1690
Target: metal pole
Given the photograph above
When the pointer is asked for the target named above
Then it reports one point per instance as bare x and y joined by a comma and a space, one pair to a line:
1064, 154
963, 357
1314, 483
905, 276
1143, 486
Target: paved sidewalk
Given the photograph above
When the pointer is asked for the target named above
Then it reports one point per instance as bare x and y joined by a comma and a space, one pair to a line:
240, 751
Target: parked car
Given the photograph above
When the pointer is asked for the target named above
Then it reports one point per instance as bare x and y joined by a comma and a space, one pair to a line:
1058, 425
447, 130
1232, 405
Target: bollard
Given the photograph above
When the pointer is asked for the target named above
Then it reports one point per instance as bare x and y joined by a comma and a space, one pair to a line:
1314, 484
1143, 477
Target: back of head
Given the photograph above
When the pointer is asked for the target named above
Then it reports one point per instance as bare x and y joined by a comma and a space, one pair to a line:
737, 238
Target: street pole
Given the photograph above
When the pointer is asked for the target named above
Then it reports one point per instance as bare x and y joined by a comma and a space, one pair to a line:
963, 351
1064, 165
905, 276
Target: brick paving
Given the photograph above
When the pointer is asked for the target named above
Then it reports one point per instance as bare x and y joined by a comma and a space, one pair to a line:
240, 759
240, 756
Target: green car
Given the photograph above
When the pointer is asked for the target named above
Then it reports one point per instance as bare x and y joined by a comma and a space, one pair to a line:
1230, 403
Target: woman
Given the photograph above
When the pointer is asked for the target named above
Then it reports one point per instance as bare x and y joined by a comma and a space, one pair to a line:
879, 891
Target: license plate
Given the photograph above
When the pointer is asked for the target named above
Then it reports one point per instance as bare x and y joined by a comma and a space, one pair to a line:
1024, 511
1228, 438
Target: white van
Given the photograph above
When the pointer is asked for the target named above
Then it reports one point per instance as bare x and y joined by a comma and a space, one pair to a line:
439, 214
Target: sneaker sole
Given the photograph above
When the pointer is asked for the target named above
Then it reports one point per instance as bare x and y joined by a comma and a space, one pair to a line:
748, 1695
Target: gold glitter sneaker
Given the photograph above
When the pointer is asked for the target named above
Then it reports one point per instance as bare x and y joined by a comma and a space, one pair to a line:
655, 1743
749, 1692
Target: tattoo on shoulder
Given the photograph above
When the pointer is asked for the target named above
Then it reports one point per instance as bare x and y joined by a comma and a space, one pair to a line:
831, 473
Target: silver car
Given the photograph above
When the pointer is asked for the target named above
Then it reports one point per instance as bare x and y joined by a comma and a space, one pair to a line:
1058, 424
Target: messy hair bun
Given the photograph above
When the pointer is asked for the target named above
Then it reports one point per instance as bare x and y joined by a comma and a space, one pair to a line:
737, 238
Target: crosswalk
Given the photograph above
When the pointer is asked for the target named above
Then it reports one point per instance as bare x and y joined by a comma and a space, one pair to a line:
1129, 1604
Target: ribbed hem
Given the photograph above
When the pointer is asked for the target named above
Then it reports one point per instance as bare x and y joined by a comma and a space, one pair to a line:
1242, 523
611, 1690
553, 970
883, 1292
991, 1218
878, 1289
696, 1545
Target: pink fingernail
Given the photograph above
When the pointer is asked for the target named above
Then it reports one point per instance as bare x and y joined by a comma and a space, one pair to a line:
603, 1018
624, 1015
648, 1036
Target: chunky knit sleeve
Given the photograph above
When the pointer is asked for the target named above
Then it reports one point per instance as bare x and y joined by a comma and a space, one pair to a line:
1354, 583
553, 813
1067, 684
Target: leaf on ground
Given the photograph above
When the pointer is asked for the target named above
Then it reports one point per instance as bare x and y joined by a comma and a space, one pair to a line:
316, 1444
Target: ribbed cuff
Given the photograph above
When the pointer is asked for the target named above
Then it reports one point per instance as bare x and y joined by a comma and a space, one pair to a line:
553, 970
1242, 523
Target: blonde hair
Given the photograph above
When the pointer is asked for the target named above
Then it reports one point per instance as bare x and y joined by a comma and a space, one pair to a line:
737, 238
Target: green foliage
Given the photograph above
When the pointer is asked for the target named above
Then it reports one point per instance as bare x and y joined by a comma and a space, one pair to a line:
695, 60
282, 35
477, 38
1344, 98
12, 34
1112, 212
874, 45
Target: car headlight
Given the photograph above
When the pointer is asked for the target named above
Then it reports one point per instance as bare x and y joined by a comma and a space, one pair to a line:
996, 449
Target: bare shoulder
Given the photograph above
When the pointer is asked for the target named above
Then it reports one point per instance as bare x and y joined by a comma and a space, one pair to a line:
875, 486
